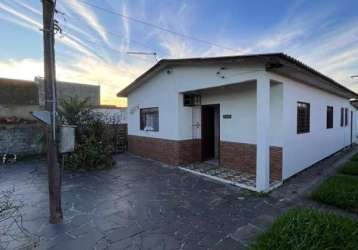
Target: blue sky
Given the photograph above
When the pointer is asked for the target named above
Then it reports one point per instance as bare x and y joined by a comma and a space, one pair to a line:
93, 46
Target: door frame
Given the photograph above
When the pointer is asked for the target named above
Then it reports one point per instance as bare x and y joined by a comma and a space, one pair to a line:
215, 144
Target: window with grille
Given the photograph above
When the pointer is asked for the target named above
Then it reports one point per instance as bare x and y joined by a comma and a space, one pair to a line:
149, 119
329, 117
345, 117
342, 117
303, 117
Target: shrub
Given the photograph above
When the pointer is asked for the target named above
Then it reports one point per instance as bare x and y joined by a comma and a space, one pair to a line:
350, 168
90, 155
340, 191
310, 230
93, 149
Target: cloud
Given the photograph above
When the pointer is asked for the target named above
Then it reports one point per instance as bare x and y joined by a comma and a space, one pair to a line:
111, 77
28, 7
126, 28
21, 16
89, 17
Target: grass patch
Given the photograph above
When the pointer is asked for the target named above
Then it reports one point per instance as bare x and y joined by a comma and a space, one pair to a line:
350, 168
354, 157
309, 229
340, 191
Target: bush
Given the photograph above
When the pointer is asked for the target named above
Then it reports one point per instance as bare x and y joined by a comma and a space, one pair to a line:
90, 155
340, 191
350, 168
310, 230
93, 149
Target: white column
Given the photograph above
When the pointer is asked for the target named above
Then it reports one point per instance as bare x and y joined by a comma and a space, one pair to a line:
262, 133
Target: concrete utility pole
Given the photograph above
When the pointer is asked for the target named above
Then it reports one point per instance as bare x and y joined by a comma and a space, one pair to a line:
54, 173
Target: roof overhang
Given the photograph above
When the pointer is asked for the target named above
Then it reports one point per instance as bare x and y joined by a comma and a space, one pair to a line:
277, 63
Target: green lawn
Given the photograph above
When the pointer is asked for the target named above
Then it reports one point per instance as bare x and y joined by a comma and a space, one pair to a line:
349, 168
355, 157
310, 230
340, 191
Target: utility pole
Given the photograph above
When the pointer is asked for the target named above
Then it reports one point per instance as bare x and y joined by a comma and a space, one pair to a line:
54, 173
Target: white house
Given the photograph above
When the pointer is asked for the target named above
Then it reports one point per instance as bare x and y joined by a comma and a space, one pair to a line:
267, 114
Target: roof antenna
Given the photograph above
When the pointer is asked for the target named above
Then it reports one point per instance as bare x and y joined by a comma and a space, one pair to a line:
154, 54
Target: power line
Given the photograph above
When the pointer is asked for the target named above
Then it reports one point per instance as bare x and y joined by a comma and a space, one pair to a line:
103, 47
110, 32
156, 26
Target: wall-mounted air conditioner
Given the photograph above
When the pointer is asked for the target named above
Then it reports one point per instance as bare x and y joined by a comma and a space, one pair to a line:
192, 100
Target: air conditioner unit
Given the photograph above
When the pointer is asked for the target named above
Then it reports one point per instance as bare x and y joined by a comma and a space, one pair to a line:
191, 100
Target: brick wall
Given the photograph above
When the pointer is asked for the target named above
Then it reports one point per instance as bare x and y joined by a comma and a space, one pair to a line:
242, 157
21, 139
276, 163
239, 156
170, 152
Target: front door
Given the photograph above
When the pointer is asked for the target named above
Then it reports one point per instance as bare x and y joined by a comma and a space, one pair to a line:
208, 131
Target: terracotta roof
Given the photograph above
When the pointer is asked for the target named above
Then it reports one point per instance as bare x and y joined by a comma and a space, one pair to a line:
272, 61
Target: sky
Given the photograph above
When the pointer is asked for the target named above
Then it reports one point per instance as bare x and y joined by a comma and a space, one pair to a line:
94, 44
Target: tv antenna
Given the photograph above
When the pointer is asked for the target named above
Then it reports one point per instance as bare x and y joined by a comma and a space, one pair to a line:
154, 54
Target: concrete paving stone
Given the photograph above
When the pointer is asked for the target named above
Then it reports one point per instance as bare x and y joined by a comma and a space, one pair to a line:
246, 234
141, 204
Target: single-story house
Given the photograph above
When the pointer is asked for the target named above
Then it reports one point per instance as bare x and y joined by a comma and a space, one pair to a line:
265, 114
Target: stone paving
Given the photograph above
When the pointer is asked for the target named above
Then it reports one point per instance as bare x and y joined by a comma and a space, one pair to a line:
140, 204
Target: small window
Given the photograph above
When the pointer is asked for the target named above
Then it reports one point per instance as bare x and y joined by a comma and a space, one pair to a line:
149, 119
342, 117
345, 117
303, 117
329, 117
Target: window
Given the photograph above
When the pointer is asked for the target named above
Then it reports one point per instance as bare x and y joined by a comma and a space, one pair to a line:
149, 119
329, 117
345, 117
342, 117
303, 117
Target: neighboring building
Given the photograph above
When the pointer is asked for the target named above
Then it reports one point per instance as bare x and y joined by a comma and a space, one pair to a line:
18, 98
267, 115
70, 89
19, 131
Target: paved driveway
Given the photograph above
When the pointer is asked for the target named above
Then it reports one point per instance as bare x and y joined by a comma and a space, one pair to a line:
139, 204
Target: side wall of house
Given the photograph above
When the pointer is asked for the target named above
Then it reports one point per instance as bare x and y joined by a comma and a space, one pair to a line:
303, 150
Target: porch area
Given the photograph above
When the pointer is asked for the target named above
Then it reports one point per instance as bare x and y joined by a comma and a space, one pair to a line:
238, 128
226, 175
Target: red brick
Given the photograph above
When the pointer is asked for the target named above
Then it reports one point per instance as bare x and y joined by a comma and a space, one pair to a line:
173, 152
238, 156
242, 157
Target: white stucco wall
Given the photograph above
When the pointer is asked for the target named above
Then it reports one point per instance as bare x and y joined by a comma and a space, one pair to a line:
163, 90
240, 103
303, 150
